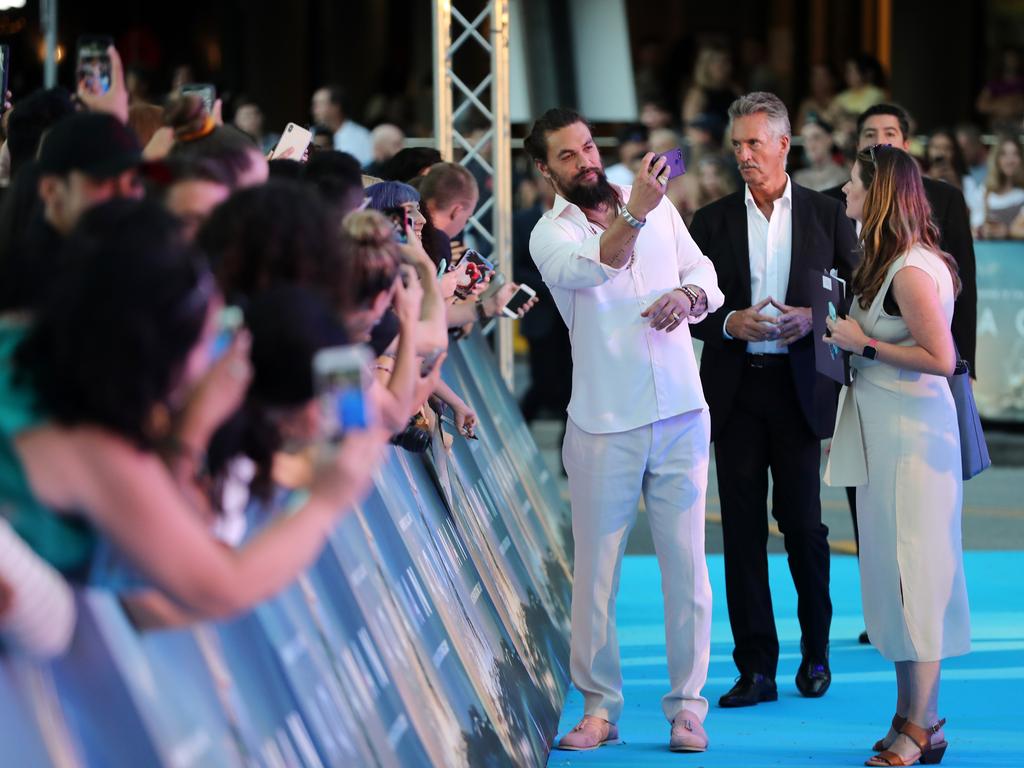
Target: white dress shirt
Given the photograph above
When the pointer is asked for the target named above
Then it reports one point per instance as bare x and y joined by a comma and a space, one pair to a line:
354, 139
770, 243
625, 373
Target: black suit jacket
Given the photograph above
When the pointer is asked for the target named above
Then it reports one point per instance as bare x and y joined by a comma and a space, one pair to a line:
543, 319
950, 214
823, 238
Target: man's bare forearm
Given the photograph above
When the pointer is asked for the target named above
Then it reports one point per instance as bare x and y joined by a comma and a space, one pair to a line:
617, 243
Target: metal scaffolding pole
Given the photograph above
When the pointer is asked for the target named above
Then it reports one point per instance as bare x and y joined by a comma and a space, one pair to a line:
489, 30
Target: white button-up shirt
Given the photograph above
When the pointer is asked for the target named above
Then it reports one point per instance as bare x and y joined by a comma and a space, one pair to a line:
625, 373
354, 139
770, 242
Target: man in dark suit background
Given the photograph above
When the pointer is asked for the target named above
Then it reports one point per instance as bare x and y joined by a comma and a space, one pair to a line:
550, 356
890, 124
769, 407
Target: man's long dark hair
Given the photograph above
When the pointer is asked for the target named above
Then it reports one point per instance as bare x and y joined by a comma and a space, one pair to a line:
536, 142
536, 145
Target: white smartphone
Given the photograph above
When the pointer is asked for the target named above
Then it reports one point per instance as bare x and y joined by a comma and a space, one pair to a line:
522, 295
341, 377
292, 144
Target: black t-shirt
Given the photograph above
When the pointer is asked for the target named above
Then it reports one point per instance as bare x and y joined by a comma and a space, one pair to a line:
384, 333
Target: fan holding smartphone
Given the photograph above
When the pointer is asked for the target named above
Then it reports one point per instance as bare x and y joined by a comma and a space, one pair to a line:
94, 65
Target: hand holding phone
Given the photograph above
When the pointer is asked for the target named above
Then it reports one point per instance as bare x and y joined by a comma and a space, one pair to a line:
427, 366
341, 378
293, 143
229, 322
673, 163
485, 266
205, 91
94, 69
523, 294
101, 77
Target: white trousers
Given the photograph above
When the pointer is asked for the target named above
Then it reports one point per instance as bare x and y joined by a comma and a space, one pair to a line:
668, 463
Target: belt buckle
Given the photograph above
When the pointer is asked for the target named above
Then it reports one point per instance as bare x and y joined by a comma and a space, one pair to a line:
756, 360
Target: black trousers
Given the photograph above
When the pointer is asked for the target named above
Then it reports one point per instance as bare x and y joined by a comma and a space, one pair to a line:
550, 374
767, 432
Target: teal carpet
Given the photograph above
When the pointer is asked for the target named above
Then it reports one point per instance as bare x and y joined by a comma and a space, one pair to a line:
980, 697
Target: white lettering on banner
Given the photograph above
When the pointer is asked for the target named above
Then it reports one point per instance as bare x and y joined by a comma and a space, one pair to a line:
301, 737
405, 522
361, 685
321, 715
358, 575
505, 545
191, 750
475, 595
371, 654
440, 654
397, 730
427, 610
271, 752
987, 322
292, 650
364, 669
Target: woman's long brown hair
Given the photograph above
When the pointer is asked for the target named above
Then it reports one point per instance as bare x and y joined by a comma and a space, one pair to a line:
897, 216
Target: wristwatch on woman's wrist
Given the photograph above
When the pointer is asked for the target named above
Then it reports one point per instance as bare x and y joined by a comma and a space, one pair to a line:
870, 350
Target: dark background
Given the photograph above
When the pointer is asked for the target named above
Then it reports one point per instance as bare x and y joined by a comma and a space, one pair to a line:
939, 55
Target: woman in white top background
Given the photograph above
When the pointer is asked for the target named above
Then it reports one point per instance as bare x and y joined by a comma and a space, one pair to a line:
996, 213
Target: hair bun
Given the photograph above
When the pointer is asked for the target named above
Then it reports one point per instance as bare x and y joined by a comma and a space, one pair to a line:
369, 228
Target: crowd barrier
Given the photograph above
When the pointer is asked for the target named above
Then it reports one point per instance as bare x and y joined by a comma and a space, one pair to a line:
999, 390
433, 630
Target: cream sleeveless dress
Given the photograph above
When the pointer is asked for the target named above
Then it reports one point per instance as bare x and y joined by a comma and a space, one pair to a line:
897, 441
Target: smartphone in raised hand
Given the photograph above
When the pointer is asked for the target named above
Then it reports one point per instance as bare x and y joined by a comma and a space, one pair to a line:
427, 366
673, 162
341, 379
205, 91
293, 143
93, 67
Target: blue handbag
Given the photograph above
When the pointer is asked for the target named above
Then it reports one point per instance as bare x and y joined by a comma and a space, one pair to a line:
973, 448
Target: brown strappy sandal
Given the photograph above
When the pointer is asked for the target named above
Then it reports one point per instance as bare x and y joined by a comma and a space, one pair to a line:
931, 754
898, 721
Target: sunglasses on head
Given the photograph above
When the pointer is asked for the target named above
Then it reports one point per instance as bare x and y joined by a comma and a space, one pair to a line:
873, 147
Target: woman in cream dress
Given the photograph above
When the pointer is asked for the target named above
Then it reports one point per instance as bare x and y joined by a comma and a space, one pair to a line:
897, 441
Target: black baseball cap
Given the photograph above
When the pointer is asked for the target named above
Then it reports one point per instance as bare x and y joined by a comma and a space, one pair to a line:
95, 143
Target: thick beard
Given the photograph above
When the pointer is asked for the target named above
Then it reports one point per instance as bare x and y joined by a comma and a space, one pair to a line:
590, 197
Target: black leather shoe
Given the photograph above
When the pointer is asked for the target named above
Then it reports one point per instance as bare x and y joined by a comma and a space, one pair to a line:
863, 638
813, 678
750, 690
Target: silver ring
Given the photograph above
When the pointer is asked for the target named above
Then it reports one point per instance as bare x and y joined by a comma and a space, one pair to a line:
675, 316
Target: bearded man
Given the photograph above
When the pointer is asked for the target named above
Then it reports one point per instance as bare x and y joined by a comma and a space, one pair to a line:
628, 281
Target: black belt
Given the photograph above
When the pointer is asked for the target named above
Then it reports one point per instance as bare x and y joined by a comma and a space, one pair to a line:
765, 361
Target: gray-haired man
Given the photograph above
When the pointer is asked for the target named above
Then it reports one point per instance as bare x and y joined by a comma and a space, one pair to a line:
769, 407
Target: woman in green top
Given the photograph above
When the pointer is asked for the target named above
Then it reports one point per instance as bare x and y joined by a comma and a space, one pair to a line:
125, 333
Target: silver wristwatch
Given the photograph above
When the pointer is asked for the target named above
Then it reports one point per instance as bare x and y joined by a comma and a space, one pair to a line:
632, 220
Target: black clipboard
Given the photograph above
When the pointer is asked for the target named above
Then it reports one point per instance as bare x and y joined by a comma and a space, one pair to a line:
828, 300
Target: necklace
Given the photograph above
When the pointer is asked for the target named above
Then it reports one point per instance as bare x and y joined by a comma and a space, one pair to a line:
596, 228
